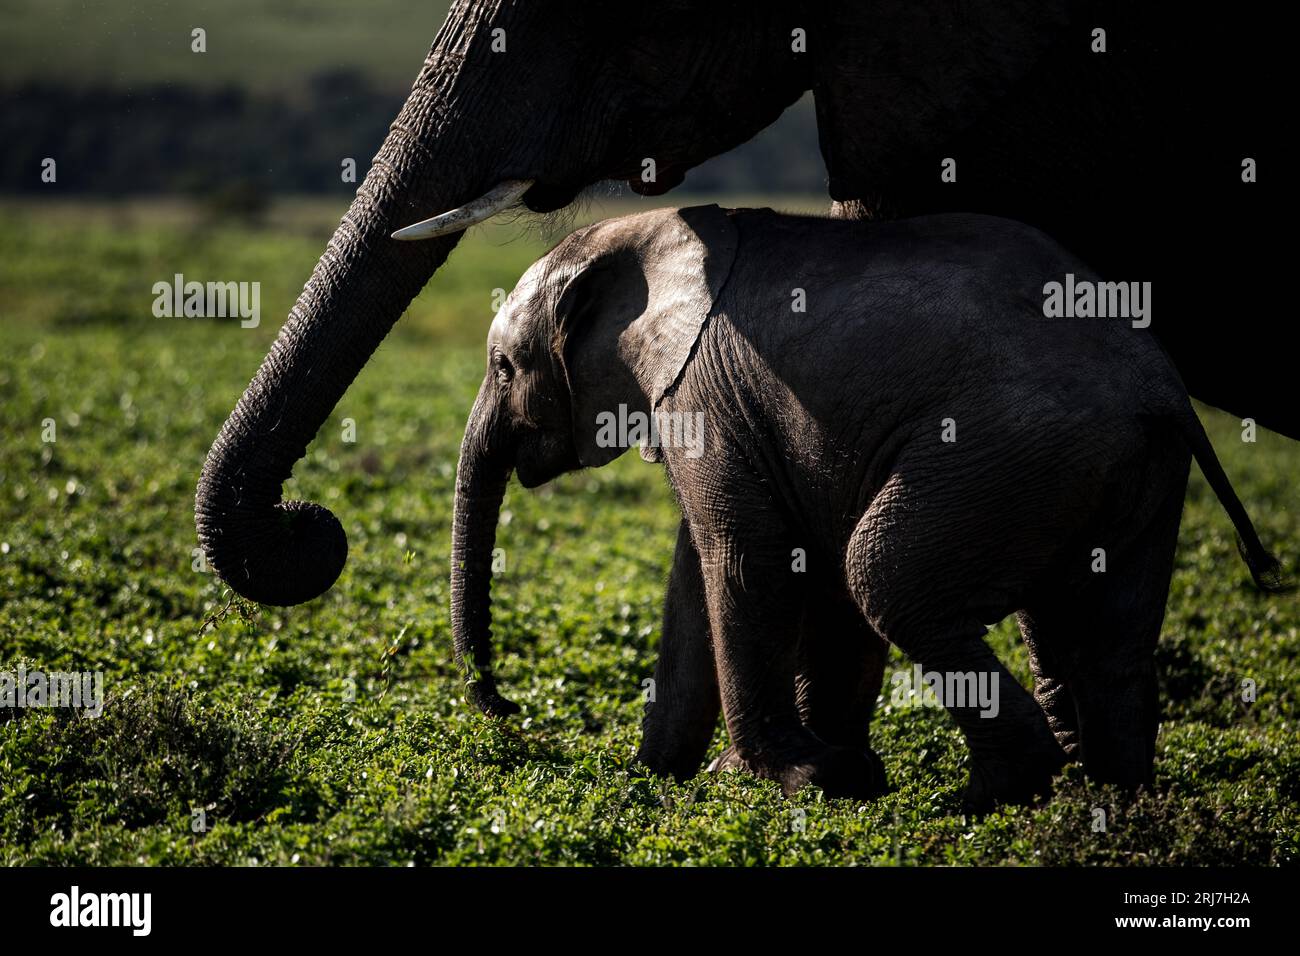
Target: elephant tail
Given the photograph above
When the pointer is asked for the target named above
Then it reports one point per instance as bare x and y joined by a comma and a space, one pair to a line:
1265, 569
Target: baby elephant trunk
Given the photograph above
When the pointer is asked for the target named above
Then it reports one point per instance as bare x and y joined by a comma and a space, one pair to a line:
481, 480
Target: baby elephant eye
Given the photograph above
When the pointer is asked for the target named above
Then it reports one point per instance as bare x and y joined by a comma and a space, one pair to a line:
505, 371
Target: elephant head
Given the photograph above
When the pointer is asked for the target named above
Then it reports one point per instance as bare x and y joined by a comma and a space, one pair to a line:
516, 100
609, 318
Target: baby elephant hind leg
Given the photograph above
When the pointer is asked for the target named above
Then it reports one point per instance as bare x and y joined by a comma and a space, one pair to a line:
926, 569
1100, 647
841, 670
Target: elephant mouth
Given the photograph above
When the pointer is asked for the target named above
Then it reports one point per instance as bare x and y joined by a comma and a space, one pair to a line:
544, 197
528, 478
667, 179
532, 474
540, 458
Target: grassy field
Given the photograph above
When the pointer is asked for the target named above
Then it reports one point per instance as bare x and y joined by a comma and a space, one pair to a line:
335, 732
258, 45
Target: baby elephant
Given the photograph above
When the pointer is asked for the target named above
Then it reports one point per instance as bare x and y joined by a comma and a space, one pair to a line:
874, 434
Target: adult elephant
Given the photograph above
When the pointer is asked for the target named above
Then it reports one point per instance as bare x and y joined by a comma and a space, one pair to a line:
1131, 157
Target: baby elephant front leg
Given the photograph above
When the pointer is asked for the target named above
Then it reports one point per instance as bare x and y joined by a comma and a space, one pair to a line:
841, 670
755, 604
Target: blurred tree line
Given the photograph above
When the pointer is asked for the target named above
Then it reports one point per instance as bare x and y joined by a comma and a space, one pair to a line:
236, 146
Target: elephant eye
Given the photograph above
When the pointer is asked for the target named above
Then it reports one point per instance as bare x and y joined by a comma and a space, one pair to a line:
505, 371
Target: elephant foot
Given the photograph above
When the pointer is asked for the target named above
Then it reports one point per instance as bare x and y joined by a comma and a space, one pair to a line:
680, 767
838, 771
729, 759
997, 781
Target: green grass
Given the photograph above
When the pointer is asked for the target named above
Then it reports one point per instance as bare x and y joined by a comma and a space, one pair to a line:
249, 719
259, 45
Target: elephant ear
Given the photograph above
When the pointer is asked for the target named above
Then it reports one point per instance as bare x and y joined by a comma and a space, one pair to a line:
632, 311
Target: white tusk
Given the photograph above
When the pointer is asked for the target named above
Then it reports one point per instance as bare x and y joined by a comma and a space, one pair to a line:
499, 197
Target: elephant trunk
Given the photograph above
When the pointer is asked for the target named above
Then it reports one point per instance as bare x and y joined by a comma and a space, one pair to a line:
436, 157
286, 552
481, 478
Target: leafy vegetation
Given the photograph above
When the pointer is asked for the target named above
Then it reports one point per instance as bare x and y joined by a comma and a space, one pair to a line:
336, 732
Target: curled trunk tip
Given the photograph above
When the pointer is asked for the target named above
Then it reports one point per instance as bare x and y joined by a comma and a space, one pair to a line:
287, 554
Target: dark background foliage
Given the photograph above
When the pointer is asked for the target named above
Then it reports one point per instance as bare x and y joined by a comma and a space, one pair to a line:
276, 103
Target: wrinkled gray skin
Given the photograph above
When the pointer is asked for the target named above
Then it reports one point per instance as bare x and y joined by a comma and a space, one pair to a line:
823, 431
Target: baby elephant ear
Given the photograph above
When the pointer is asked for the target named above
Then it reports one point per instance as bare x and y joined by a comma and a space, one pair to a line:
631, 313
686, 263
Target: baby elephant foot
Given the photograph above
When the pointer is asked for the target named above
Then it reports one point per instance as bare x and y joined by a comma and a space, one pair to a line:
729, 759
680, 767
995, 781
838, 771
